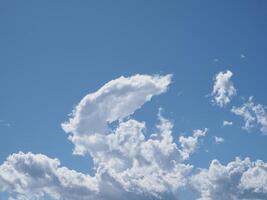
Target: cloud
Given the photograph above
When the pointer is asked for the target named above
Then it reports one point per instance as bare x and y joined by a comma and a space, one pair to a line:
150, 166
189, 144
223, 88
128, 164
122, 156
31, 176
218, 140
116, 100
239, 179
253, 114
227, 123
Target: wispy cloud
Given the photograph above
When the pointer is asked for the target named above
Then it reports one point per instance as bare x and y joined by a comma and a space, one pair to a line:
253, 114
218, 140
227, 123
4, 123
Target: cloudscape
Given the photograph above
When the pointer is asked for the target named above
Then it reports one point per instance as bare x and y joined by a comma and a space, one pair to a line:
133, 100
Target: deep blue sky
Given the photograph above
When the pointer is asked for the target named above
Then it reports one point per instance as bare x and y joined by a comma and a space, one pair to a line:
52, 53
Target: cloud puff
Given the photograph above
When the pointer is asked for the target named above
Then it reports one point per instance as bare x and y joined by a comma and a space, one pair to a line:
189, 144
218, 140
32, 176
239, 179
116, 100
153, 166
223, 88
227, 123
252, 114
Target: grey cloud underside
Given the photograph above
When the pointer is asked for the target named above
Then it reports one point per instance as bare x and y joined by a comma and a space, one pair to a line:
128, 164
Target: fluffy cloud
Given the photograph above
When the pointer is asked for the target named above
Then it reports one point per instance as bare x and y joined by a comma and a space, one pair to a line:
189, 144
116, 100
252, 114
32, 176
227, 123
128, 164
239, 179
223, 89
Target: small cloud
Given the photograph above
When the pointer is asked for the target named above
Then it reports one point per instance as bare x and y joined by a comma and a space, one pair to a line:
242, 56
253, 114
215, 60
218, 140
4, 123
223, 88
227, 123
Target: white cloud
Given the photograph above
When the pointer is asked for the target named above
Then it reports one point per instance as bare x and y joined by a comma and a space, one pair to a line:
218, 140
223, 89
252, 114
189, 144
239, 179
31, 176
227, 123
116, 100
128, 165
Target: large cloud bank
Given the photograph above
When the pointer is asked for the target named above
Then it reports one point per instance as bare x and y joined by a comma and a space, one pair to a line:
129, 162
239, 179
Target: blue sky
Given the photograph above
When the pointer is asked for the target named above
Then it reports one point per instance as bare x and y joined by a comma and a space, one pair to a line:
53, 53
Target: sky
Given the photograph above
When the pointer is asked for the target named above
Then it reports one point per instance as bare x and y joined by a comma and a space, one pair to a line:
104, 86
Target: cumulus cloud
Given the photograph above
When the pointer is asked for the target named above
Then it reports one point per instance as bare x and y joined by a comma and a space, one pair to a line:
32, 176
128, 164
116, 100
227, 123
150, 166
223, 88
253, 114
189, 144
239, 179
218, 140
